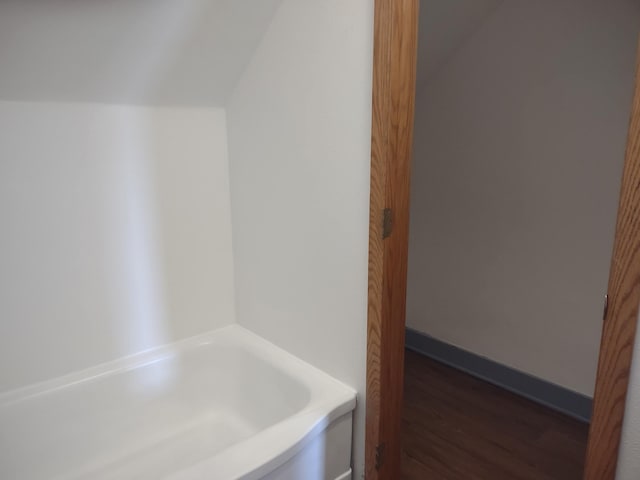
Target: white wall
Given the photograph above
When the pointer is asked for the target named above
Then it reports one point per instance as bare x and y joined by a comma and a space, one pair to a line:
116, 233
158, 52
299, 143
517, 161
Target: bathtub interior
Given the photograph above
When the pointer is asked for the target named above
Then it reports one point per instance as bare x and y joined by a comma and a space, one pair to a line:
156, 414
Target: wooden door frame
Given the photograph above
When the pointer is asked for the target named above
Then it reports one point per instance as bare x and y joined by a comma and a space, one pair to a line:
620, 315
394, 78
393, 99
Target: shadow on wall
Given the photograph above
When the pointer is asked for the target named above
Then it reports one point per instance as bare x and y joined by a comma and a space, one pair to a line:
164, 52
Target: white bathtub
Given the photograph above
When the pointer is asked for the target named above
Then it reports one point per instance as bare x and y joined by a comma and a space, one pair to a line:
226, 405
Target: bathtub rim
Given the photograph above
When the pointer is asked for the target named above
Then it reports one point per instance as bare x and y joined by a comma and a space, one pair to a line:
257, 455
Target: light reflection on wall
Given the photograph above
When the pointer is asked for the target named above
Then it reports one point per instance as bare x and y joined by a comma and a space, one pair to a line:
97, 262
138, 277
117, 233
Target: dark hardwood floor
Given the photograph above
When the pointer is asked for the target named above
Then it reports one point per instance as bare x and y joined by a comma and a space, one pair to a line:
456, 427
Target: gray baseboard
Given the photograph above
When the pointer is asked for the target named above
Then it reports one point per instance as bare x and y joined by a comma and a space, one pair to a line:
570, 403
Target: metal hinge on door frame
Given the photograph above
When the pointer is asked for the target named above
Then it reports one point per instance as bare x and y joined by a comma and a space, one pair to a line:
379, 456
387, 222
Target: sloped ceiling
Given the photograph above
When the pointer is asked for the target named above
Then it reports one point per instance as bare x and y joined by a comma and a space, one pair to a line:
445, 25
157, 52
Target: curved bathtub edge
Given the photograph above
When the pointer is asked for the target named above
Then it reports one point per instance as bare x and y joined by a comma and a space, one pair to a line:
258, 455
326, 457
272, 447
279, 443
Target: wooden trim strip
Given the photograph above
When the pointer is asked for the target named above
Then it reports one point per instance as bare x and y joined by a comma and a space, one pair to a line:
621, 317
394, 76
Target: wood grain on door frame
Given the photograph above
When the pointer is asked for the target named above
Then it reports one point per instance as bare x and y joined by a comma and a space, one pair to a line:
394, 76
620, 316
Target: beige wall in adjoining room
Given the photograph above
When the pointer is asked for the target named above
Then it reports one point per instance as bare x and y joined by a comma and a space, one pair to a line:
519, 145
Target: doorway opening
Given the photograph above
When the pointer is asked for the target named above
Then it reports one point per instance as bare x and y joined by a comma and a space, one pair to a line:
521, 123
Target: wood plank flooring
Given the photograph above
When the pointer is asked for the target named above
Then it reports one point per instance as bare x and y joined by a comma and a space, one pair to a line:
456, 427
